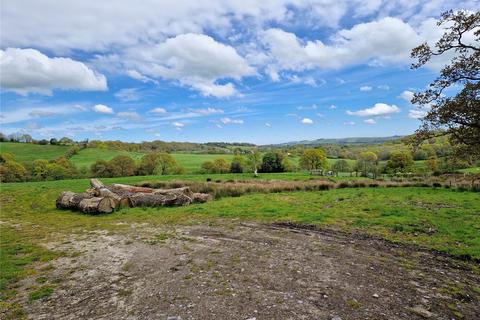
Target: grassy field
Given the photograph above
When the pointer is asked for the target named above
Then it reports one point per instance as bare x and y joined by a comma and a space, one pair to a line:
440, 219
86, 157
26, 152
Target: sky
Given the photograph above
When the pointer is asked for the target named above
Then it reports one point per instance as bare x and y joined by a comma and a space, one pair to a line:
213, 70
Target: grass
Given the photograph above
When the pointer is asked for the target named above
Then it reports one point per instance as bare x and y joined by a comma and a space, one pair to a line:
27, 152
86, 157
440, 219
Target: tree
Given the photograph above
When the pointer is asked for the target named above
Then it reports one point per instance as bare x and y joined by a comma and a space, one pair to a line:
101, 169
457, 116
254, 159
314, 159
272, 162
432, 164
166, 164
367, 162
237, 165
53, 141
400, 161
341, 166
220, 165
207, 167
122, 166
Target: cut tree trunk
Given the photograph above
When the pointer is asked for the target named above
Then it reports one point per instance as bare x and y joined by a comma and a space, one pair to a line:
106, 199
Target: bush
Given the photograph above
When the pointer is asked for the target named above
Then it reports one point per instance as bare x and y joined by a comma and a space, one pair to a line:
12, 171
122, 166
272, 162
158, 163
314, 159
101, 169
237, 165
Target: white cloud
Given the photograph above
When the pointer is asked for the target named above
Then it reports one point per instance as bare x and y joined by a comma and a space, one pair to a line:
385, 40
333, 107
101, 108
312, 107
365, 88
194, 60
133, 116
158, 110
383, 87
307, 121
379, 109
178, 125
231, 121
370, 121
207, 112
127, 94
349, 123
268, 125
407, 96
416, 113
28, 70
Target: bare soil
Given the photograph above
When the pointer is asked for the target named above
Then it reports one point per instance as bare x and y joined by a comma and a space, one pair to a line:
233, 270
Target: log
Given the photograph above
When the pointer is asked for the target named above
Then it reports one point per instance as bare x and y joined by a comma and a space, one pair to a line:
201, 197
96, 184
106, 199
71, 200
158, 200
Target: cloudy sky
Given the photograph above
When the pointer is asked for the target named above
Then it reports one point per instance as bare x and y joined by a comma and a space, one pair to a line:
214, 70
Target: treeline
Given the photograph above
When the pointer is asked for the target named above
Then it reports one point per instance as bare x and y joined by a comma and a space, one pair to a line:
439, 147
146, 146
62, 168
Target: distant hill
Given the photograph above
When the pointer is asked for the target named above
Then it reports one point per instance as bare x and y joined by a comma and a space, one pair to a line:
339, 141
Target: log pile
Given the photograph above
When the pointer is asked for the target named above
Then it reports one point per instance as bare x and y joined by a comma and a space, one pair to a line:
108, 198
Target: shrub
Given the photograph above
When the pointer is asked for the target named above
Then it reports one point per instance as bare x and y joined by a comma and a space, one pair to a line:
237, 165
272, 162
12, 171
122, 166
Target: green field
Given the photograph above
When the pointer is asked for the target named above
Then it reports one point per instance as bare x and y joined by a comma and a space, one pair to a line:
27, 152
86, 157
433, 218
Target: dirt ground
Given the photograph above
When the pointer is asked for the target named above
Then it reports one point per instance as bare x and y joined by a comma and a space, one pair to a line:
233, 270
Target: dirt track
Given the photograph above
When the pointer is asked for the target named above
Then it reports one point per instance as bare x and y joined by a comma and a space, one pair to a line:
253, 271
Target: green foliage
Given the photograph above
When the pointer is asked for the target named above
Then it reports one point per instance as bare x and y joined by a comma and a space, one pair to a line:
10, 170
101, 169
237, 165
400, 162
122, 166
254, 160
367, 163
219, 165
341, 166
314, 159
272, 162
159, 164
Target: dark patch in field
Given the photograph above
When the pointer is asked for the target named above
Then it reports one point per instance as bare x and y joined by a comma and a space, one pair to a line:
245, 271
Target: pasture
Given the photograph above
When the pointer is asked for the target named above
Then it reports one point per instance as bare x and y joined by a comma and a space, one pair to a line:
43, 248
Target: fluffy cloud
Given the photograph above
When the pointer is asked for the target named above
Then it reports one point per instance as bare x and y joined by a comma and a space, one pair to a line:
101, 108
365, 88
231, 121
56, 23
178, 125
370, 121
407, 96
194, 60
416, 113
379, 109
158, 111
28, 70
307, 121
385, 40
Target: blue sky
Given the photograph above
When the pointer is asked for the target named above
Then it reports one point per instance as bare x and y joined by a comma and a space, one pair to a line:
250, 71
